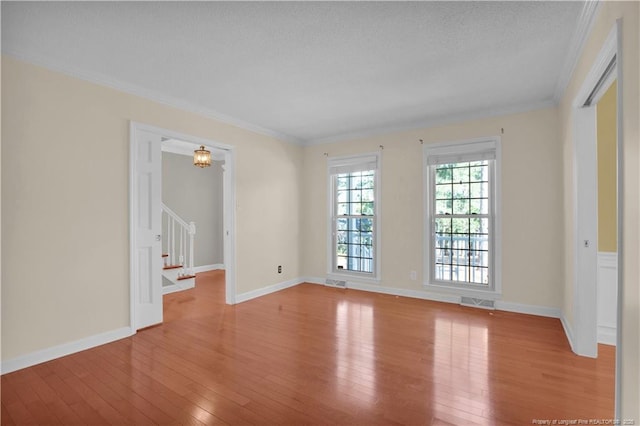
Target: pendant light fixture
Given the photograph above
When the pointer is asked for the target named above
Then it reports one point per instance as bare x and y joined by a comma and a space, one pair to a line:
202, 157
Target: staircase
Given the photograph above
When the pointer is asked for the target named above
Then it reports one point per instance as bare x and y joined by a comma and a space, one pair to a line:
177, 269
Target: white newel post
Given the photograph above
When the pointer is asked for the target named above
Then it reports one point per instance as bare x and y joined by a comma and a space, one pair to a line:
172, 250
168, 239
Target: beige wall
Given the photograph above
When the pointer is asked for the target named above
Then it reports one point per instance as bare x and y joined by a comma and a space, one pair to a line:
531, 203
605, 20
65, 243
195, 194
607, 171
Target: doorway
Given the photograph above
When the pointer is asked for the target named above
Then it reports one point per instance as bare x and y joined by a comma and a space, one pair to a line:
584, 336
192, 214
145, 180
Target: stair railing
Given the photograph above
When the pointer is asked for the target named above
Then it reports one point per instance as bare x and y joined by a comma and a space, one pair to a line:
180, 246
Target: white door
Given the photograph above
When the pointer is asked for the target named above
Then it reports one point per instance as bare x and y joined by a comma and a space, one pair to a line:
146, 158
586, 222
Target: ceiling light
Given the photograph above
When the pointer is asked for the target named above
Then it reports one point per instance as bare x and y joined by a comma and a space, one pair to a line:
202, 157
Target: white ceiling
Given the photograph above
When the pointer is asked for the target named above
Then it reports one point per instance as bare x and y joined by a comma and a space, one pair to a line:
311, 71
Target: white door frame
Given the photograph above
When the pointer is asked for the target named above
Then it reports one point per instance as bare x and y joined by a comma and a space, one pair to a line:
229, 219
585, 201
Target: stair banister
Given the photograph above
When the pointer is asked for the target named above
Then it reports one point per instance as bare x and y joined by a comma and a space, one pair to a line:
185, 241
192, 232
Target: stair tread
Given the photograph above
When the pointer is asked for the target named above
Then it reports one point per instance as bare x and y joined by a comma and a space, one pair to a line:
172, 267
186, 277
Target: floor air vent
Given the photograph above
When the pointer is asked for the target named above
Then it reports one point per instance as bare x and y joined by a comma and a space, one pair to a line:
336, 283
477, 303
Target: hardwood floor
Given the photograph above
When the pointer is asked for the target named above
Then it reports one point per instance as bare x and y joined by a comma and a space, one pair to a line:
317, 355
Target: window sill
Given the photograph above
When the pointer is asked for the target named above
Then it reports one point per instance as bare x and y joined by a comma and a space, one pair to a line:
463, 291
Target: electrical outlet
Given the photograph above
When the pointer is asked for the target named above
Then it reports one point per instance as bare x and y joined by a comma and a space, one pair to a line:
279, 269
413, 275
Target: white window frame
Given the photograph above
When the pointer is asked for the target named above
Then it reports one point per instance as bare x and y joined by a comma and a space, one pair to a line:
347, 164
460, 151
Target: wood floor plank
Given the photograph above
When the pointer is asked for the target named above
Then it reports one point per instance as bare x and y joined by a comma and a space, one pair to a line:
143, 398
19, 414
317, 355
5, 417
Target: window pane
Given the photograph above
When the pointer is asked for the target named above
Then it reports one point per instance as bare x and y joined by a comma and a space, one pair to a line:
343, 209
341, 262
460, 190
355, 196
461, 174
444, 206
366, 238
444, 173
354, 264
367, 209
443, 225
367, 195
460, 226
343, 196
342, 181
461, 206
443, 191
367, 180
479, 190
479, 206
479, 174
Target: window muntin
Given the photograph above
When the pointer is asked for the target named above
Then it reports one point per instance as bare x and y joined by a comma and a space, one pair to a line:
354, 220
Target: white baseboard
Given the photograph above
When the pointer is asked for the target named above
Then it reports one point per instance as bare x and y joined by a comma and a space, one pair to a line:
541, 311
607, 335
568, 331
64, 349
313, 280
243, 297
205, 268
500, 305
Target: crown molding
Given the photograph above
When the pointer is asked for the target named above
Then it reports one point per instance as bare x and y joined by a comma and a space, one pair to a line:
152, 95
576, 45
434, 122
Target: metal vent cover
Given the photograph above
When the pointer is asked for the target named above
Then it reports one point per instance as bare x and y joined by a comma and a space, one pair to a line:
336, 283
477, 303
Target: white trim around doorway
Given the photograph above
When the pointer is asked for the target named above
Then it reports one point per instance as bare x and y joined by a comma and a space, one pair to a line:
228, 207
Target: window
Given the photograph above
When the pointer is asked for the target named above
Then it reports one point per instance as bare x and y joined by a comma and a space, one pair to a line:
354, 215
462, 200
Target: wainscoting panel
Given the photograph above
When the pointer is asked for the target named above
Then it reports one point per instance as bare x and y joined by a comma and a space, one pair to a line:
607, 297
